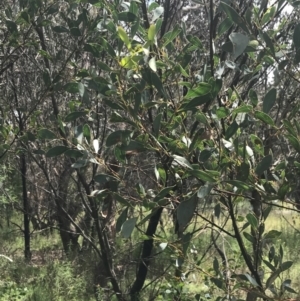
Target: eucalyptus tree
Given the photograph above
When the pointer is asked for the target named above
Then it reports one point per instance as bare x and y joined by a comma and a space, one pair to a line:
120, 112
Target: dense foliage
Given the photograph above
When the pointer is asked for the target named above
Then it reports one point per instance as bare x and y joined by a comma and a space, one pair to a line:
136, 129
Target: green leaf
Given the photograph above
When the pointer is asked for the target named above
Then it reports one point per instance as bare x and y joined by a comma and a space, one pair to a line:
153, 80
182, 161
47, 78
185, 212
127, 17
197, 101
224, 26
171, 35
252, 220
46, 134
60, 29
202, 175
283, 267
253, 97
74, 115
283, 190
234, 16
288, 125
104, 178
240, 42
128, 227
243, 171
251, 280
264, 164
121, 219
157, 12
75, 32
124, 37
222, 112
204, 191
272, 234
294, 142
151, 32
73, 153
157, 124
118, 136
103, 66
296, 36
269, 100
249, 237
87, 132
56, 151
238, 184
218, 282
11, 26
71, 87
269, 42
164, 192
268, 15
264, 117
243, 109
201, 89
231, 130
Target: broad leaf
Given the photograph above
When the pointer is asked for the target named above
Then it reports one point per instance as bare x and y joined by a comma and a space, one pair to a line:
264, 117
118, 136
128, 227
185, 212
269, 100
46, 134
240, 42
74, 115
234, 16
264, 164
56, 151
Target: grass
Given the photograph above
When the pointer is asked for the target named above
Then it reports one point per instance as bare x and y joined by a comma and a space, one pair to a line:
50, 276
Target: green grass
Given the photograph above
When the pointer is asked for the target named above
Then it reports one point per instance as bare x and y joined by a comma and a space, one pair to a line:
51, 276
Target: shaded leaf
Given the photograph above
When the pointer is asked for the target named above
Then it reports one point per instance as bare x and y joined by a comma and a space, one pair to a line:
127, 16
238, 184
240, 42
224, 26
56, 151
185, 212
46, 134
234, 16
269, 100
60, 29
121, 219
128, 227
252, 220
296, 36
264, 164
118, 136
231, 130
74, 115
202, 175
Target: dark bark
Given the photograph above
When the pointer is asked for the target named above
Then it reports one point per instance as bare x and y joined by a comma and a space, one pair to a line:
146, 255
26, 221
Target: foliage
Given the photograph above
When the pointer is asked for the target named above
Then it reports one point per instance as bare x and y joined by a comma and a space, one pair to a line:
121, 114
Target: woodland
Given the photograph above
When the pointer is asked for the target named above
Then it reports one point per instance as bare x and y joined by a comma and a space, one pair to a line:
149, 150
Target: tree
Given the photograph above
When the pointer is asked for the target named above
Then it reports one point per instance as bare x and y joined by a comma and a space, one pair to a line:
126, 111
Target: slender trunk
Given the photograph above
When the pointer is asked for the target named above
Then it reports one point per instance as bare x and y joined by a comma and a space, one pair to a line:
26, 218
146, 255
